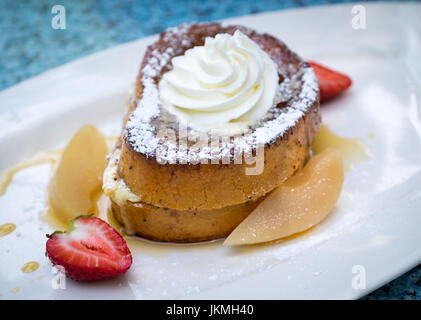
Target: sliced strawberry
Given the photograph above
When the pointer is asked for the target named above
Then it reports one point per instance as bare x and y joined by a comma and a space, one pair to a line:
90, 250
331, 82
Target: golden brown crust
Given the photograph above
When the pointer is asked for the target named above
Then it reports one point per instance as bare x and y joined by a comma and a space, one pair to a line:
169, 225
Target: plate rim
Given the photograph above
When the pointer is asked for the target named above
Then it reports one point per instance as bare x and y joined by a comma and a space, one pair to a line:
410, 261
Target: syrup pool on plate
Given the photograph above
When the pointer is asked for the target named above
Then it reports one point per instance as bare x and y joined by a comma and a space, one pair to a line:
7, 228
41, 158
352, 150
30, 267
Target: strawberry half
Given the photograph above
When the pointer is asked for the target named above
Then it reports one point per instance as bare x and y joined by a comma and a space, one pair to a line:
90, 250
331, 82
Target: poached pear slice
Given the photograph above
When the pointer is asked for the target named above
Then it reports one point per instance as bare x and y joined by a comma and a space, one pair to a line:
298, 204
78, 177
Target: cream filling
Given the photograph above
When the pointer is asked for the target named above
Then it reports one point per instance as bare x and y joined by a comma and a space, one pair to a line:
113, 186
117, 190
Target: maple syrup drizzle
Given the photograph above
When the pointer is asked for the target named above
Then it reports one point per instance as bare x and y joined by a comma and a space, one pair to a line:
353, 151
30, 267
7, 228
40, 158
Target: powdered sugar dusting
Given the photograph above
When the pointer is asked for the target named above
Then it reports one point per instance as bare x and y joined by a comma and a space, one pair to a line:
298, 92
142, 133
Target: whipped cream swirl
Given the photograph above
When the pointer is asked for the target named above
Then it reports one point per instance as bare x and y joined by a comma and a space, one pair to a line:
224, 86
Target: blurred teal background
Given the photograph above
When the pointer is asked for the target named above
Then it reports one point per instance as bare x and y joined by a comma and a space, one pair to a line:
29, 46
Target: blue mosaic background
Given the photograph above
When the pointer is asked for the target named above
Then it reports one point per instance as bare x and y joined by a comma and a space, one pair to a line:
29, 46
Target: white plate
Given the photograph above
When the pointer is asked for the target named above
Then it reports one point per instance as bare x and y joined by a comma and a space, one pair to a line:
376, 224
